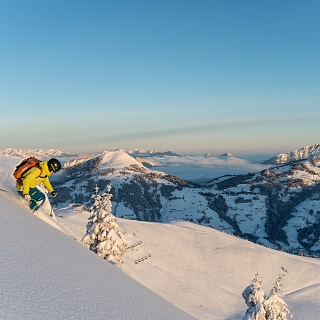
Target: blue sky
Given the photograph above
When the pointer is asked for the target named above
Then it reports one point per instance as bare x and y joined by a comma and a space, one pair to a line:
182, 75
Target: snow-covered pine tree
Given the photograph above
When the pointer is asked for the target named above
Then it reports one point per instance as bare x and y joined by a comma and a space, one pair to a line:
254, 297
103, 234
276, 308
262, 308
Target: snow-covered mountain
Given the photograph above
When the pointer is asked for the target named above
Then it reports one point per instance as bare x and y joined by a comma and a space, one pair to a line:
275, 207
308, 152
47, 275
31, 152
146, 153
227, 154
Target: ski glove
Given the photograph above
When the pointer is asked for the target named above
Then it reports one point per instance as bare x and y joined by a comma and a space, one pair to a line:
27, 197
53, 193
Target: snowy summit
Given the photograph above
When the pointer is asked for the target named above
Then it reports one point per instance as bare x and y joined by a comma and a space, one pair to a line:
307, 152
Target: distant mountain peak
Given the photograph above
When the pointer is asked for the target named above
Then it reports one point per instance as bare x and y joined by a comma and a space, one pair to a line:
31, 152
146, 153
303, 153
118, 158
210, 155
227, 154
111, 159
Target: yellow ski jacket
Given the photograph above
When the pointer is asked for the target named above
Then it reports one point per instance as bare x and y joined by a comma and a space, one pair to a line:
32, 178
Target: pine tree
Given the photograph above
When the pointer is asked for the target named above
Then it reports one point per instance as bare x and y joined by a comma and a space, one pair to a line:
262, 308
103, 234
276, 308
254, 297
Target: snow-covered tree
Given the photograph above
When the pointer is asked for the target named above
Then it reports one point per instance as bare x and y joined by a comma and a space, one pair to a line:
103, 234
276, 308
254, 297
261, 307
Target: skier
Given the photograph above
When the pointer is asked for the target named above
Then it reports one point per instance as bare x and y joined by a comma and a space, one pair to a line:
33, 177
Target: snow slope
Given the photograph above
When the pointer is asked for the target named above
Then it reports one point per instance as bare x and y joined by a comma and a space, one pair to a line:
198, 269
47, 275
204, 271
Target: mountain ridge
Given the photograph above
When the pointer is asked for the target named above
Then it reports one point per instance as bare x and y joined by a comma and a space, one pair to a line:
32, 152
265, 207
304, 153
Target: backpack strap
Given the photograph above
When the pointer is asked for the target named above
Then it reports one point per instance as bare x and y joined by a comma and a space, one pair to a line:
41, 170
39, 167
